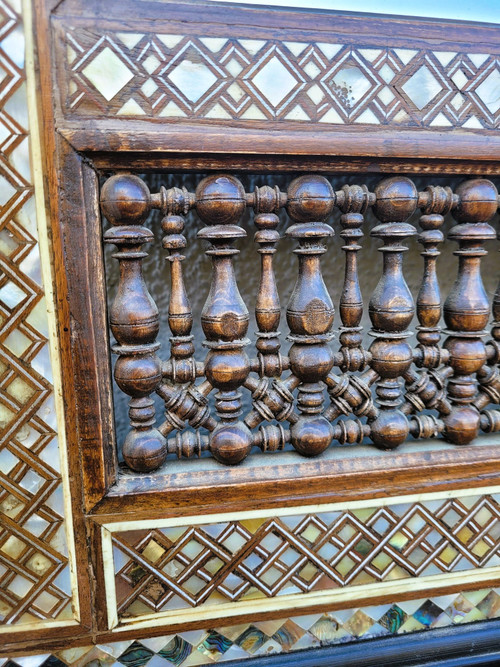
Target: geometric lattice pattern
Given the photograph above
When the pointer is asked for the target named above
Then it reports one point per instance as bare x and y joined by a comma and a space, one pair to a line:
223, 643
34, 574
189, 566
205, 78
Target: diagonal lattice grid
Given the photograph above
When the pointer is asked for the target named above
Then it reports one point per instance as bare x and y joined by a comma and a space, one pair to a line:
190, 566
34, 571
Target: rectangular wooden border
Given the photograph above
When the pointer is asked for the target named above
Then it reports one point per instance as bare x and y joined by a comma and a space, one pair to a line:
73, 153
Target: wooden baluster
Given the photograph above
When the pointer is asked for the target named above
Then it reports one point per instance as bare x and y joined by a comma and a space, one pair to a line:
391, 309
310, 311
126, 203
466, 310
425, 389
435, 203
181, 366
220, 202
353, 201
489, 374
267, 201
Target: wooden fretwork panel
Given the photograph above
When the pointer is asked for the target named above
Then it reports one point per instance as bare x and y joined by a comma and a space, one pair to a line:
316, 395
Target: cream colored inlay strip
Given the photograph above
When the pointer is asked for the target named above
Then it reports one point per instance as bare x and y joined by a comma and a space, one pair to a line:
48, 278
291, 603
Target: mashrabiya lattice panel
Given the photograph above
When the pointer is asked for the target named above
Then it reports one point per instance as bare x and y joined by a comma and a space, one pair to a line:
34, 573
187, 77
188, 566
223, 643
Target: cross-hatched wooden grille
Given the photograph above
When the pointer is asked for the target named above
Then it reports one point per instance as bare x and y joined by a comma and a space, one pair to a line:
188, 566
186, 77
34, 572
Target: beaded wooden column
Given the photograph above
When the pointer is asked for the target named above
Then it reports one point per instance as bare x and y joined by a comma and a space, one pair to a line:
425, 389
353, 200
466, 310
220, 202
126, 203
181, 366
489, 375
310, 311
266, 202
391, 309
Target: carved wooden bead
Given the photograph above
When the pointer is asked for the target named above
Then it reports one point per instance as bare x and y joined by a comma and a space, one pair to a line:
396, 199
125, 200
310, 436
390, 358
310, 363
227, 369
144, 450
138, 375
310, 198
220, 200
390, 429
231, 443
478, 201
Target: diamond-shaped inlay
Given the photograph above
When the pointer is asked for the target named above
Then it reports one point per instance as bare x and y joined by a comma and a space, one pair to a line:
459, 79
234, 67
274, 81
422, 87
489, 91
193, 79
108, 73
352, 85
387, 73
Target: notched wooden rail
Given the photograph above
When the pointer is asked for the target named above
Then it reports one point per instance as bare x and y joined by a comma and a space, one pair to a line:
451, 390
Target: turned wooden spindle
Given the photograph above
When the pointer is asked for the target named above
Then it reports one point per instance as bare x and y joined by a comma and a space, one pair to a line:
220, 202
310, 311
435, 202
182, 366
489, 374
466, 310
352, 200
134, 321
267, 202
391, 309
426, 389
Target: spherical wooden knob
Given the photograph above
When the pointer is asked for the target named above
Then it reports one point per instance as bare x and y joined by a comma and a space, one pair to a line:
478, 201
396, 199
125, 200
144, 451
220, 200
138, 375
390, 358
231, 443
311, 363
310, 199
310, 436
227, 369
389, 429
462, 425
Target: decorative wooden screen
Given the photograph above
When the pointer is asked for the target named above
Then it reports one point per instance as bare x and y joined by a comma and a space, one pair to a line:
193, 561
451, 389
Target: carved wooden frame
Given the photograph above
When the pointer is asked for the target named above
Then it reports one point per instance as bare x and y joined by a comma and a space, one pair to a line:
77, 149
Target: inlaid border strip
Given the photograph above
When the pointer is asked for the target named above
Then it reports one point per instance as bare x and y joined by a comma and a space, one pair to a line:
301, 601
